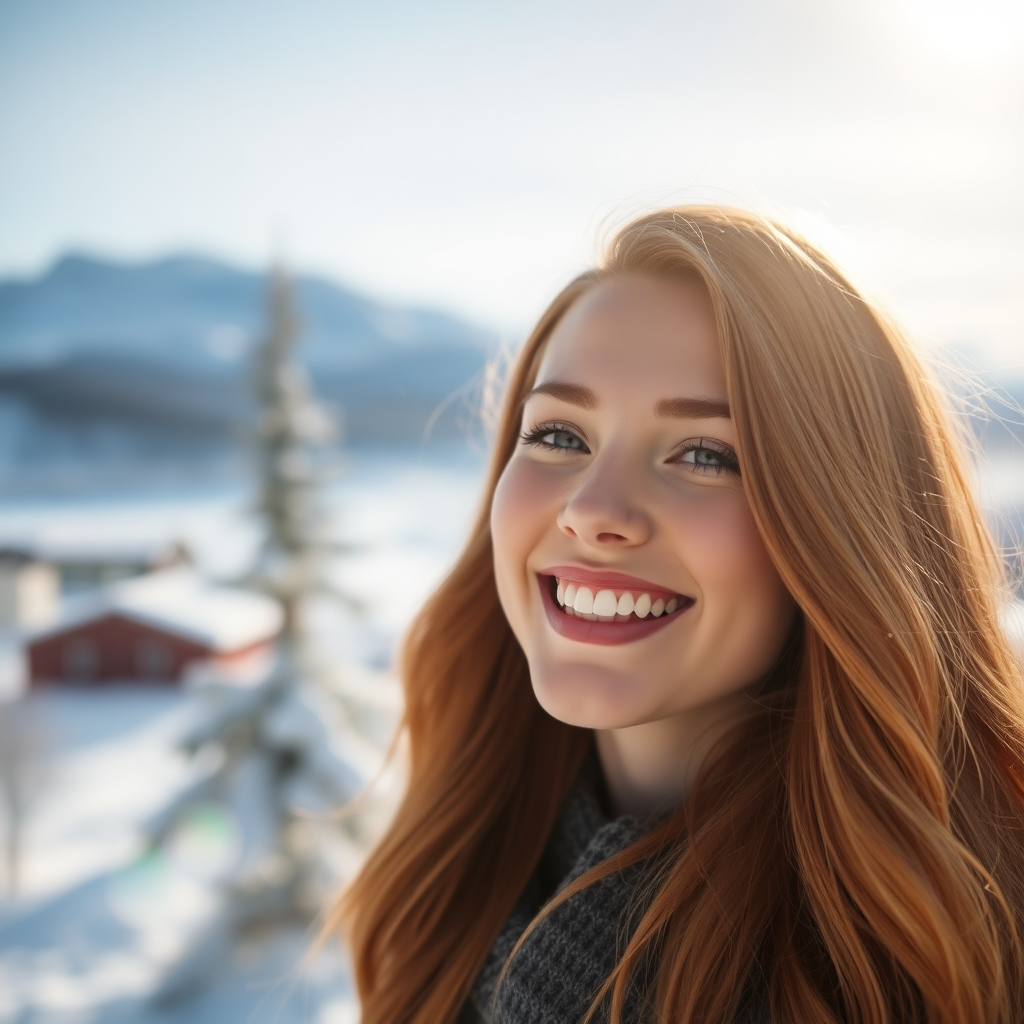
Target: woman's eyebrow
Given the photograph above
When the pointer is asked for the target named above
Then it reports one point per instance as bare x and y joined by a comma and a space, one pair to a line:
574, 394
692, 409
667, 408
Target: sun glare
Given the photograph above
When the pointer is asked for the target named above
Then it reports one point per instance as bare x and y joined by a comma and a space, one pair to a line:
969, 29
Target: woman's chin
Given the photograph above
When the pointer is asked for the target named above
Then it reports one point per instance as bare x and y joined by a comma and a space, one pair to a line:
588, 697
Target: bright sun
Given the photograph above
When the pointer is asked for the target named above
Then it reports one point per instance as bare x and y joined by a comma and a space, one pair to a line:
969, 29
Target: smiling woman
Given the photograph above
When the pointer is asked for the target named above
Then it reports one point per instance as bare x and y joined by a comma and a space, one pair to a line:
614, 475
713, 721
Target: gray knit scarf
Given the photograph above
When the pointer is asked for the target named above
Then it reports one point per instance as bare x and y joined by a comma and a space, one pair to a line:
559, 969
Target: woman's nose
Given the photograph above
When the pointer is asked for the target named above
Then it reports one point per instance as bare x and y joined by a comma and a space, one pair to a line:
605, 511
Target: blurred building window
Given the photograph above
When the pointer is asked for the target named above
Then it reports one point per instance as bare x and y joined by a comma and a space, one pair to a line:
154, 660
81, 660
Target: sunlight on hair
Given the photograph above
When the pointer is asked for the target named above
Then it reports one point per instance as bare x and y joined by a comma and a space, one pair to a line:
969, 29
848, 250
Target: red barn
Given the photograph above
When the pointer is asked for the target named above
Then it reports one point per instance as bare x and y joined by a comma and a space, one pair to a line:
151, 629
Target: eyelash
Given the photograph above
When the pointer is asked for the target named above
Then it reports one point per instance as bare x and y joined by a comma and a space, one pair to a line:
729, 463
536, 434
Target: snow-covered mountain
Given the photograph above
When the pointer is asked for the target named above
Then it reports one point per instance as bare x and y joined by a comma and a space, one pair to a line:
113, 361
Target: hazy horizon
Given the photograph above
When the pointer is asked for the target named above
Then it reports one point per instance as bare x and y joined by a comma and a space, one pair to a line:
470, 157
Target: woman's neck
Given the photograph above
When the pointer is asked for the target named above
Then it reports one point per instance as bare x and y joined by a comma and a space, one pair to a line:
651, 768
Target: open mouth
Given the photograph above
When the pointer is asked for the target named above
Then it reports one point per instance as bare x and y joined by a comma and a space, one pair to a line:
606, 608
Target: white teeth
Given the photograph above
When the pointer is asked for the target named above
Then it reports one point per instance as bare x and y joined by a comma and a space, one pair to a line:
603, 605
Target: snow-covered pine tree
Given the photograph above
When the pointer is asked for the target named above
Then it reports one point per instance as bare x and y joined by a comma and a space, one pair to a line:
294, 434
281, 750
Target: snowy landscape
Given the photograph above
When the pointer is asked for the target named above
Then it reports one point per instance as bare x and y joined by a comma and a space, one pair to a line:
177, 844
175, 825
96, 920
261, 268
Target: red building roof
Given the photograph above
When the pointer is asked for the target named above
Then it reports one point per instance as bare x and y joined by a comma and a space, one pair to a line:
151, 628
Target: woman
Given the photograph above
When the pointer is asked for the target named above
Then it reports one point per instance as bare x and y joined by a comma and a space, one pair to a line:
713, 720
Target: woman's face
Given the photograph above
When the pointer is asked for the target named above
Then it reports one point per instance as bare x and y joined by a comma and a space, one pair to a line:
626, 558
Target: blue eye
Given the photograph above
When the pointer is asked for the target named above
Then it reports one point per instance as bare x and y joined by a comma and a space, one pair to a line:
706, 456
555, 437
562, 439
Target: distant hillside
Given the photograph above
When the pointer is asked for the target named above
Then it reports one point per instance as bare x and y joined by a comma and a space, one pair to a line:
132, 370
115, 363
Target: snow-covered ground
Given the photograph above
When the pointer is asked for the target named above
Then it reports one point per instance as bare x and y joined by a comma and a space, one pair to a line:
96, 920
100, 762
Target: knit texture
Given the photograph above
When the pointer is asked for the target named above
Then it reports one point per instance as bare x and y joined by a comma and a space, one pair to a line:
562, 965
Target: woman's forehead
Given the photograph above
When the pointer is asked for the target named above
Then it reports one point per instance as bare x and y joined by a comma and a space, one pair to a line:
638, 334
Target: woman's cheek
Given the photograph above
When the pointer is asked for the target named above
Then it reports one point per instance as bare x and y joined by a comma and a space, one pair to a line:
519, 518
723, 552
730, 551
714, 537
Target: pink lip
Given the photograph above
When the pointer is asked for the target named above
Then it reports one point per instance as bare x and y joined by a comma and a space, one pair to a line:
600, 579
604, 634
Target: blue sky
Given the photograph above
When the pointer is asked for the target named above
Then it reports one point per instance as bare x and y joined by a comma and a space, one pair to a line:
471, 155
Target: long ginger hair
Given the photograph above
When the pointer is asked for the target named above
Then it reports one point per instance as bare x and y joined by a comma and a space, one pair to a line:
859, 854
